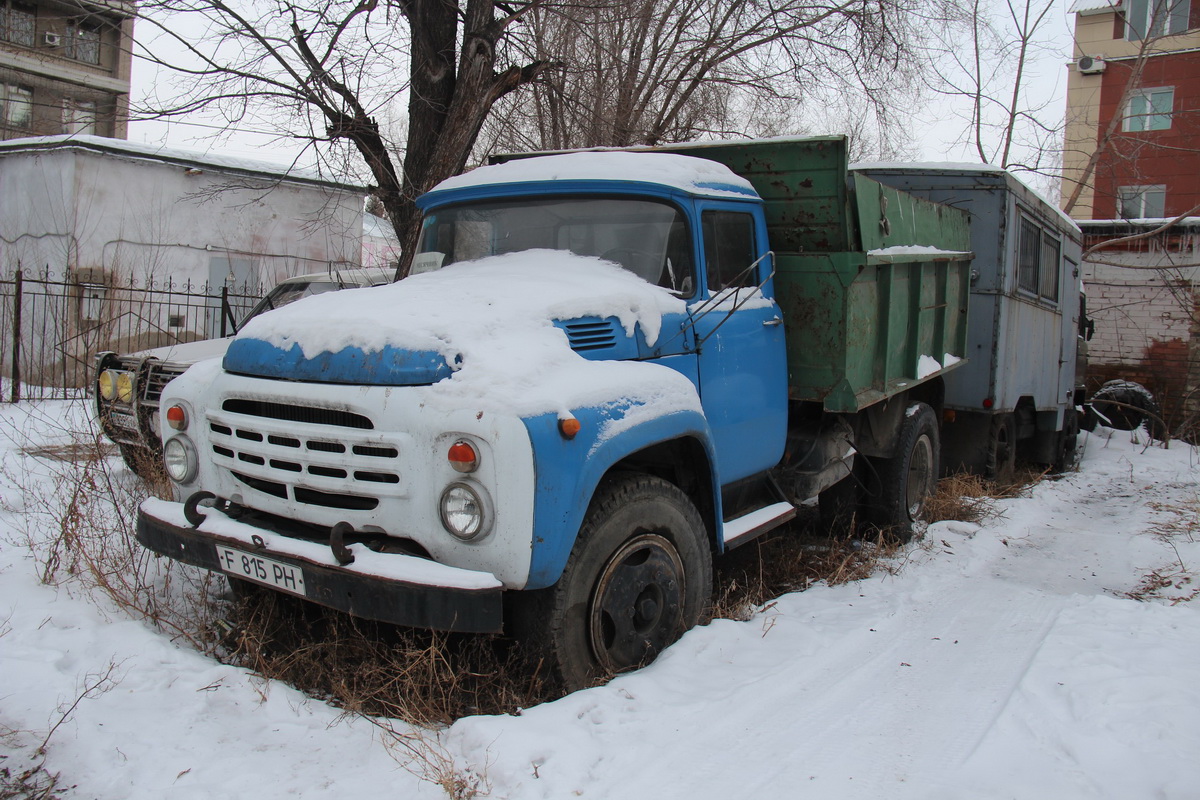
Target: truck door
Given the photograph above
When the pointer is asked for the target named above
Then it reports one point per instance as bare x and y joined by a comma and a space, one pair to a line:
743, 374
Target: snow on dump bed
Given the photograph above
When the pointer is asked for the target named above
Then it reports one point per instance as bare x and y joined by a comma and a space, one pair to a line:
694, 175
495, 316
915, 250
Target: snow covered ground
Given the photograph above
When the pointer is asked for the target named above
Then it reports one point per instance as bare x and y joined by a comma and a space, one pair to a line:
997, 661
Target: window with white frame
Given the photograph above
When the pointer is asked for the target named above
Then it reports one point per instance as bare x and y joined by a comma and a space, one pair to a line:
1148, 19
1149, 110
17, 23
16, 106
79, 117
1141, 202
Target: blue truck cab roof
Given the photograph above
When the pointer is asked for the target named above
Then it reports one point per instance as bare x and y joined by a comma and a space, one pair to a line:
601, 172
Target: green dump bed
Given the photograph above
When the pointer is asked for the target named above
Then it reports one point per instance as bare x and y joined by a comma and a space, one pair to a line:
873, 282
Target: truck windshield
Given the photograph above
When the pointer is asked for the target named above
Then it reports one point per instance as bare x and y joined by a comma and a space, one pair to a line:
290, 292
646, 237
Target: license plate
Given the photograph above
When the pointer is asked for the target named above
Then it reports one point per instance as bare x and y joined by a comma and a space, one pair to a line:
261, 570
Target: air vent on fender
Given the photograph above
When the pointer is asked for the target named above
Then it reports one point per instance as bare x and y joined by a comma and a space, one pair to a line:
586, 336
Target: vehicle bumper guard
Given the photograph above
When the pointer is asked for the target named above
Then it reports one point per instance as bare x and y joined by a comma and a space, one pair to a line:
388, 587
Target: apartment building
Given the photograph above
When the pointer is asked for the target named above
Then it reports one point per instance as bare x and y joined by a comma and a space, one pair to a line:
65, 67
1131, 165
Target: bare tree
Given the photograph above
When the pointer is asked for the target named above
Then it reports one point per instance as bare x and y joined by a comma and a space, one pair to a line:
989, 55
653, 71
325, 72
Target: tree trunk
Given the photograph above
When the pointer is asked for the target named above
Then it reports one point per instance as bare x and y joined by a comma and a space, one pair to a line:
433, 86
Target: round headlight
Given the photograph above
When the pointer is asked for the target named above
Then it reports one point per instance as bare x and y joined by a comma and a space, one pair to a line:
179, 457
465, 511
125, 387
107, 384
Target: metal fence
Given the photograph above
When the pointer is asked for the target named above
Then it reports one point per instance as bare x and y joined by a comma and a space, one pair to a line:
54, 326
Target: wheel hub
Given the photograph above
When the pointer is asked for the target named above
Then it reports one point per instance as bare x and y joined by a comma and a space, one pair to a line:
920, 477
637, 606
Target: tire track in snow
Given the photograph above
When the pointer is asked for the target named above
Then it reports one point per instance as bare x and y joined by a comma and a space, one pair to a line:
908, 696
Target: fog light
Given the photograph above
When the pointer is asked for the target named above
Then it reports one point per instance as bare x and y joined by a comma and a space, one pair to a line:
125, 387
179, 458
107, 384
465, 511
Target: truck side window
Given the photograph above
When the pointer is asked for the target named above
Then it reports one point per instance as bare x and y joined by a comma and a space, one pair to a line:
729, 249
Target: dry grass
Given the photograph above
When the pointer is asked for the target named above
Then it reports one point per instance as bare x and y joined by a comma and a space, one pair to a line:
78, 521
34, 783
968, 498
1173, 583
424, 677
799, 555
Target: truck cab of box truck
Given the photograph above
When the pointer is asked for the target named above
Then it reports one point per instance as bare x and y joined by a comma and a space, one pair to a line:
586, 361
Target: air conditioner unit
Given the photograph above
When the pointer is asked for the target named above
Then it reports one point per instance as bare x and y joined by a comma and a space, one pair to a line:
52, 39
1090, 66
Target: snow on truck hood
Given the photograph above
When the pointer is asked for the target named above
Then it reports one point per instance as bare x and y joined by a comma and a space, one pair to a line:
482, 329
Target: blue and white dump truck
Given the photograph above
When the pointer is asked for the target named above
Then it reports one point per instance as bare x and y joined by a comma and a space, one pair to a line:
606, 369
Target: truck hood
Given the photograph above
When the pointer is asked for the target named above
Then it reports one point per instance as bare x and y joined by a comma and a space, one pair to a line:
186, 353
466, 316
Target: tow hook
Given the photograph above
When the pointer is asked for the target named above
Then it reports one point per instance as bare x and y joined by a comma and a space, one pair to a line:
191, 507
337, 543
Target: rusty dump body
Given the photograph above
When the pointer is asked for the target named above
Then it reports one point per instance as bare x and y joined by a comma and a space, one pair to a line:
870, 279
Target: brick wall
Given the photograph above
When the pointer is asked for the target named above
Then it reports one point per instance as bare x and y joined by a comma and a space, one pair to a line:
1146, 327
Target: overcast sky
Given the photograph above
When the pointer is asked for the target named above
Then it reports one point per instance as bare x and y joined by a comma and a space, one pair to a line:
934, 130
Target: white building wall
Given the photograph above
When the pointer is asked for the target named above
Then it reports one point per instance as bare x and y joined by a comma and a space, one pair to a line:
73, 209
101, 221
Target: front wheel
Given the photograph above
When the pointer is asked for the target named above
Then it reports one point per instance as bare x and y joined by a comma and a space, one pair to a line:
906, 481
640, 575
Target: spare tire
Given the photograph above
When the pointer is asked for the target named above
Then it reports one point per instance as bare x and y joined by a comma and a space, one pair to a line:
1126, 406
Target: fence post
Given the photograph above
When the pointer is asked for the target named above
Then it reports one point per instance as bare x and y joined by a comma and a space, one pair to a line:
224, 307
16, 335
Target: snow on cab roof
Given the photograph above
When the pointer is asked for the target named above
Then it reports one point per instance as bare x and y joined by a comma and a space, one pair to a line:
697, 176
168, 155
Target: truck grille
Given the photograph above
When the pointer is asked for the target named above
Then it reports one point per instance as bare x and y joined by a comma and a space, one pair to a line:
158, 375
309, 455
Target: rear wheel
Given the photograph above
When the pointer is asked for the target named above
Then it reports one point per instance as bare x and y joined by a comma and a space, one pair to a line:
640, 575
905, 482
1001, 458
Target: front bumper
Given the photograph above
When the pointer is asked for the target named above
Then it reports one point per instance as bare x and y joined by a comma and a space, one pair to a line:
388, 587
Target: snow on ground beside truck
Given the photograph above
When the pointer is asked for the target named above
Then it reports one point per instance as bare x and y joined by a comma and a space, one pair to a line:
995, 661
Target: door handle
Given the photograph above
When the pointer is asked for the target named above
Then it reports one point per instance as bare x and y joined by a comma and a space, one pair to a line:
772, 322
